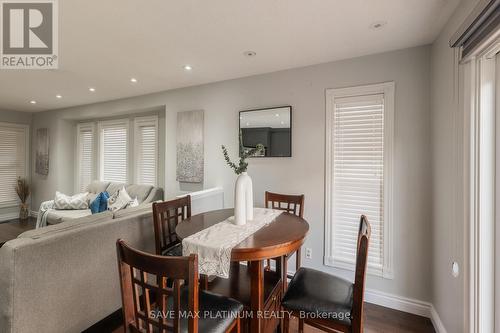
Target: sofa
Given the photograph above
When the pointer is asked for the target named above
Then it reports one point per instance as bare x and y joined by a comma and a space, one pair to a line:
145, 194
63, 278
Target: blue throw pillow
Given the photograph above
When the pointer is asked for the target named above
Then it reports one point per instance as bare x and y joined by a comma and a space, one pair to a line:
100, 203
95, 205
104, 202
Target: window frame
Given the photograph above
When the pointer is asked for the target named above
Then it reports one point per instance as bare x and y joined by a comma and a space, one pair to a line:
79, 127
388, 90
26, 129
100, 146
145, 121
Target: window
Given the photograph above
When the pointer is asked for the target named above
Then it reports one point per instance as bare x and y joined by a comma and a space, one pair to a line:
359, 169
113, 150
146, 150
86, 153
14, 140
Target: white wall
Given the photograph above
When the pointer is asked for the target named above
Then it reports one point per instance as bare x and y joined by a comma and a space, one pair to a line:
449, 228
304, 89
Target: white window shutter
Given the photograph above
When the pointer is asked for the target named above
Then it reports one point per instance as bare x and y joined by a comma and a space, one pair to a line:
358, 175
113, 152
146, 150
359, 171
86, 155
13, 160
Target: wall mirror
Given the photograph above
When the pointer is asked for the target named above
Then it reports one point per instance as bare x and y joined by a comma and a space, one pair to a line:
271, 127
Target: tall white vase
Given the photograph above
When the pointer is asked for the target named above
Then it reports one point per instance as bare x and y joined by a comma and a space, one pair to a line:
243, 199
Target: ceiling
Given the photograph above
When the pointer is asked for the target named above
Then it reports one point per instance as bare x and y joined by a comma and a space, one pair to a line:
103, 44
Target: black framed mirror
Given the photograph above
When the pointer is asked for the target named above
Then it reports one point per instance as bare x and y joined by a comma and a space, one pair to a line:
271, 127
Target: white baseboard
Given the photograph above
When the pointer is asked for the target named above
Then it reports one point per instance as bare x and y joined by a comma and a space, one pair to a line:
436, 321
405, 304
34, 213
400, 303
9, 216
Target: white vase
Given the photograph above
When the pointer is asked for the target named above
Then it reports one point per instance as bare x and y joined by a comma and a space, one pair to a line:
243, 199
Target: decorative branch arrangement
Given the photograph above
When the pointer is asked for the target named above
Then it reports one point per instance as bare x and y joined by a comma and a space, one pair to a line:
23, 189
243, 164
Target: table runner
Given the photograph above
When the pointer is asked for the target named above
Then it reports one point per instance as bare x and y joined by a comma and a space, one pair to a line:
214, 244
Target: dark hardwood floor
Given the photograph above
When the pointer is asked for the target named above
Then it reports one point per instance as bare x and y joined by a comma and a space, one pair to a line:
378, 320
13, 228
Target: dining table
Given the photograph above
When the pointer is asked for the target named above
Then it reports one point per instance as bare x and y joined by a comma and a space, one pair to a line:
260, 290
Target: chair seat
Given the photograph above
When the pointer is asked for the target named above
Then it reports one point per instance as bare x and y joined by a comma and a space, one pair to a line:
174, 251
216, 313
320, 295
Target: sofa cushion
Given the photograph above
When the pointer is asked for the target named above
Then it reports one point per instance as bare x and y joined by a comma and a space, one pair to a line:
77, 201
143, 208
139, 191
114, 187
59, 216
97, 187
70, 224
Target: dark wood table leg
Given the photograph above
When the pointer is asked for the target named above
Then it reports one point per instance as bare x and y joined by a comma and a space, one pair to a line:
281, 270
203, 282
257, 295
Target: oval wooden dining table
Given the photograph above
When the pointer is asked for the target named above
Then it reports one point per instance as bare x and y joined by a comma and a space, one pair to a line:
259, 290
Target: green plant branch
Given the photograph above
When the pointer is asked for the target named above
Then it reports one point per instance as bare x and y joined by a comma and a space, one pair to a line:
242, 164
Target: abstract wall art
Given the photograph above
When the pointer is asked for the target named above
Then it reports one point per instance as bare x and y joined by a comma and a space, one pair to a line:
42, 151
190, 159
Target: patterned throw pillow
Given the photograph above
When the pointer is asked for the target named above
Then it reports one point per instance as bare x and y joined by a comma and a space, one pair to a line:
77, 201
134, 203
119, 200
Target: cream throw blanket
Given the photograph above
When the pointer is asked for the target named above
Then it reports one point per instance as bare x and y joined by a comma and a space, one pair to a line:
214, 244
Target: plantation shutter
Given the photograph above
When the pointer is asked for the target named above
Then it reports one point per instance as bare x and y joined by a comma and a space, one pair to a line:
358, 176
86, 156
13, 163
146, 136
114, 152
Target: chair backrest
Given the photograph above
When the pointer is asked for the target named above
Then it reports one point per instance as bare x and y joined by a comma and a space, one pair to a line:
166, 216
293, 204
364, 234
145, 294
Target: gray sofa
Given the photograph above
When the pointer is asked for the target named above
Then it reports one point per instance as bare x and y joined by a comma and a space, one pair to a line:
64, 277
144, 193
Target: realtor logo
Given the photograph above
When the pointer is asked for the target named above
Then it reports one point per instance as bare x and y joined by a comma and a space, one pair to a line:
28, 33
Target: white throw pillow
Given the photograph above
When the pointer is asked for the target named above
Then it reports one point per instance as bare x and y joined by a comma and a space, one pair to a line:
120, 201
134, 203
77, 201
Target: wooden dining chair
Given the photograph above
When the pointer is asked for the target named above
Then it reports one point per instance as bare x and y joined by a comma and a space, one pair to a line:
336, 303
166, 217
293, 204
151, 307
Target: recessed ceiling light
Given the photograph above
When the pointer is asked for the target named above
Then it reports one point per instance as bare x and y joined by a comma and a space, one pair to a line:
249, 54
241, 117
378, 25
248, 124
187, 67
133, 80
33, 102
282, 123
92, 89
277, 114
59, 96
